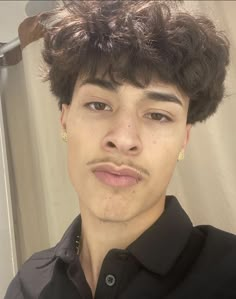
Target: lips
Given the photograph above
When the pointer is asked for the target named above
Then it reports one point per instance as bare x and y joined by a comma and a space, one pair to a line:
119, 177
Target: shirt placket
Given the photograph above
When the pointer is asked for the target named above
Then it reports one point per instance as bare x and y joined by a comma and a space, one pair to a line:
110, 275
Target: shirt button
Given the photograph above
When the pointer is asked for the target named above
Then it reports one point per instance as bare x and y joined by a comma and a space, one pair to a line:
110, 280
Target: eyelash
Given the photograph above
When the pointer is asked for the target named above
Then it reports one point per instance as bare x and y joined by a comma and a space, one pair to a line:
88, 105
168, 119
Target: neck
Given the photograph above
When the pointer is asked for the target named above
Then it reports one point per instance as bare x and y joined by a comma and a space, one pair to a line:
99, 237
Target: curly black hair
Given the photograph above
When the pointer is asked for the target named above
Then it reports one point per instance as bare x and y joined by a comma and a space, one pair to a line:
134, 42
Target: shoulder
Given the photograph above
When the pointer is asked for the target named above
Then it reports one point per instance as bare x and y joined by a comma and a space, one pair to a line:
38, 270
212, 273
38, 260
217, 258
221, 241
33, 275
41, 256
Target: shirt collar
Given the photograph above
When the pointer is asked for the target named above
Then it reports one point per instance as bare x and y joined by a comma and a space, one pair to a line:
157, 248
160, 245
66, 248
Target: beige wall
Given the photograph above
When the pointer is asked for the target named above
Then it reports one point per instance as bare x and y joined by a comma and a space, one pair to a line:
44, 201
7, 238
205, 181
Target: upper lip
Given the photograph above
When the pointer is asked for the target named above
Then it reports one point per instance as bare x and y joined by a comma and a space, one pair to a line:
118, 170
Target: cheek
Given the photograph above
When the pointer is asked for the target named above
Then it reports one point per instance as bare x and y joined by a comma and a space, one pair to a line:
84, 128
162, 150
83, 145
166, 137
81, 133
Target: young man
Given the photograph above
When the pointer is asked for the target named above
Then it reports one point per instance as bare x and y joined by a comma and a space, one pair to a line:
131, 78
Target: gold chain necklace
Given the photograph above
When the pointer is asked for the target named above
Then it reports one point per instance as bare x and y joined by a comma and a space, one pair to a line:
77, 245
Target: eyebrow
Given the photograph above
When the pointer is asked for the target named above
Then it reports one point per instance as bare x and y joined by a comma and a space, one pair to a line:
152, 95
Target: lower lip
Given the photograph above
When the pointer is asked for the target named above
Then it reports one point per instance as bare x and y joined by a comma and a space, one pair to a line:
115, 180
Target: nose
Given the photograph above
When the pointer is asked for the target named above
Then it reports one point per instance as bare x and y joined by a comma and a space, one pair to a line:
123, 137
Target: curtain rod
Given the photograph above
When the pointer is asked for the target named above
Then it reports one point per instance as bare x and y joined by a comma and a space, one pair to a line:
9, 46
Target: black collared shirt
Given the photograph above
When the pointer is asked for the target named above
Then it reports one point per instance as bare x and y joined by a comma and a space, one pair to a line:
171, 259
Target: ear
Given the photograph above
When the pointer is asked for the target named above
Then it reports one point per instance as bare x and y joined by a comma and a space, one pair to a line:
187, 136
64, 116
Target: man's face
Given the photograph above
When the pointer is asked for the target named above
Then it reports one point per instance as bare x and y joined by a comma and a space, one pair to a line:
123, 145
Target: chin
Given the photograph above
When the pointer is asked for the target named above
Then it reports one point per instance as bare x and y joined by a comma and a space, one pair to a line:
114, 216
112, 219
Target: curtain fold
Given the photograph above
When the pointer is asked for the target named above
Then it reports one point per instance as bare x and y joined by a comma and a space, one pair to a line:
43, 197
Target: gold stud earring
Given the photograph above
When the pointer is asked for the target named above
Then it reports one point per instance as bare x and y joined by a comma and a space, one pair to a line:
181, 156
64, 136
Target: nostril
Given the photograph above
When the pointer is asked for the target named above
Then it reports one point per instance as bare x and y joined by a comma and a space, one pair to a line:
110, 144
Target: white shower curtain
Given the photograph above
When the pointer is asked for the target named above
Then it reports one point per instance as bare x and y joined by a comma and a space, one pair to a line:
44, 202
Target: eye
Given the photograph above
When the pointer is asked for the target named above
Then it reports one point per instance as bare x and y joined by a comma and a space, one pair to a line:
98, 106
159, 117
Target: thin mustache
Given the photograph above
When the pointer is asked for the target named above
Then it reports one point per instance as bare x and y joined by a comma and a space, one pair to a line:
118, 164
